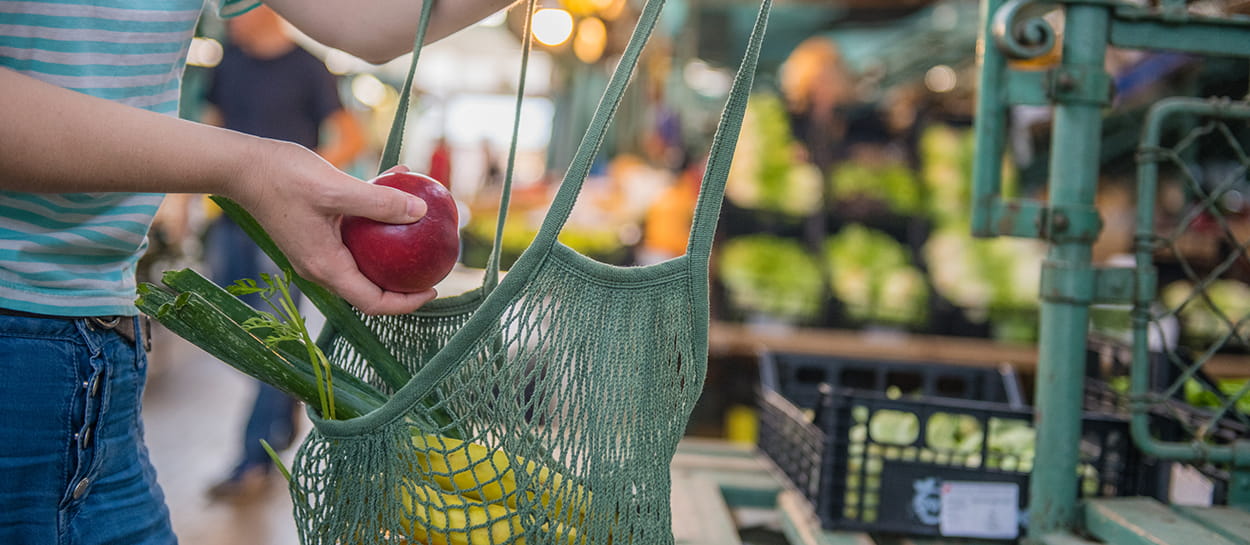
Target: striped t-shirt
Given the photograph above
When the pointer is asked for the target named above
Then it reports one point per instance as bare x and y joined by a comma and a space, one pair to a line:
75, 254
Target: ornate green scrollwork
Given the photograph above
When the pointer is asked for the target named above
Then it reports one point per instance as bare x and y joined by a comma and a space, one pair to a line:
1021, 31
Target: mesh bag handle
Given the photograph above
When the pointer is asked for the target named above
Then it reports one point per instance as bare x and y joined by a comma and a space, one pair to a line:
395, 139
505, 198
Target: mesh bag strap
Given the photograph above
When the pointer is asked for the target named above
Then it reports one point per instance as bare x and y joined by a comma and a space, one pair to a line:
505, 198
583, 158
721, 154
395, 139
712, 189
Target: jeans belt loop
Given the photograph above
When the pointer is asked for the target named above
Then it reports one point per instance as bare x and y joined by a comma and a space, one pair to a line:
106, 322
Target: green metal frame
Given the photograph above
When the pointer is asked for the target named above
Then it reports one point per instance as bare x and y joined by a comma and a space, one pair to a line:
1217, 112
1079, 89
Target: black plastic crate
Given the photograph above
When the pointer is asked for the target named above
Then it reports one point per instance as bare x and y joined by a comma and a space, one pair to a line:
869, 460
875, 482
799, 378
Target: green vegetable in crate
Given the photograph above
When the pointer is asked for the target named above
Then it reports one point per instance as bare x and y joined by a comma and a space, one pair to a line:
953, 432
1234, 390
1207, 318
891, 183
984, 275
766, 173
894, 427
872, 275
945, 168
1012, 444
946, 157
771, 275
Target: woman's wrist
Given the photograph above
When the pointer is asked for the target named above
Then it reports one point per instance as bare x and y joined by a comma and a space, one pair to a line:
248, 167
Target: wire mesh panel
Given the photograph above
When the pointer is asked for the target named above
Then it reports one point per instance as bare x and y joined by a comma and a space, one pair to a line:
1192, 338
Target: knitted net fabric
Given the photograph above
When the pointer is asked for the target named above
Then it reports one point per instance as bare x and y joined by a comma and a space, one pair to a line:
543, 410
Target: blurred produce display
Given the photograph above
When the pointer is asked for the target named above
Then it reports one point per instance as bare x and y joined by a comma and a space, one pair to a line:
1208, 315
767, 173
873, 276
946, 156
602, 244
985, 276
772, 276
892, 237
891, 183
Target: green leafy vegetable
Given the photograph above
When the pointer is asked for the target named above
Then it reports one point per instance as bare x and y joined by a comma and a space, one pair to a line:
872, 274
286, 324
771, 275
767, 173
891, 183
1223, 307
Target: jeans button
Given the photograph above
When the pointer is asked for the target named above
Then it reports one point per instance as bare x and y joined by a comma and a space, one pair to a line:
86, 439
81, 488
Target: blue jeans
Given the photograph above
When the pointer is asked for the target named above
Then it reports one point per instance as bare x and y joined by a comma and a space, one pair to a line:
233, 256
73, 466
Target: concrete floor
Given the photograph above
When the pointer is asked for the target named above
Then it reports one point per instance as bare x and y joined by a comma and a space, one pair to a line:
194, 409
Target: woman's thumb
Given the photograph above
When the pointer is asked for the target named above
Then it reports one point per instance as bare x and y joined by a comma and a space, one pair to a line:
386, 204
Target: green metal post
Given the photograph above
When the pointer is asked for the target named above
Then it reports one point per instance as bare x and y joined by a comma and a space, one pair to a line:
991, 133
1074, 168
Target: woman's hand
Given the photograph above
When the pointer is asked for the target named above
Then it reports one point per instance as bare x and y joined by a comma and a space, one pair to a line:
300, 200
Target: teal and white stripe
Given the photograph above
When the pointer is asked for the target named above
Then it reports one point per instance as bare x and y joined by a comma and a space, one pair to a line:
75, 254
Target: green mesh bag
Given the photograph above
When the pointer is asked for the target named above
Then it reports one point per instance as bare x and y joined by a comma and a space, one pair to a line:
543, 408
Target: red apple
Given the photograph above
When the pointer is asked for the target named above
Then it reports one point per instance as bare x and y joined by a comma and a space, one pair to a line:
408, 257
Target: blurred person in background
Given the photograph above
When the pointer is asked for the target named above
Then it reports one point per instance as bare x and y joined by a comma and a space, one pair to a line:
819, 90
492, 172
440, 162
267, 85
88, 103
666, 227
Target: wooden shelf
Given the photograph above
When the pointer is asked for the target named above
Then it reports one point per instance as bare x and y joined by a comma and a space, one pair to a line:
731, 339
727, 339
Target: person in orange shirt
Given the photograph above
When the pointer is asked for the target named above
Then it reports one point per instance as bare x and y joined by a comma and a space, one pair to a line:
666, 229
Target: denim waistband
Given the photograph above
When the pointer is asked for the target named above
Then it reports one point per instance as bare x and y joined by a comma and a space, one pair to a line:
125, 326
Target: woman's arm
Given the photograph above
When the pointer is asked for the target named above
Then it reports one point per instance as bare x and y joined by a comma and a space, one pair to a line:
380, 30
53, 140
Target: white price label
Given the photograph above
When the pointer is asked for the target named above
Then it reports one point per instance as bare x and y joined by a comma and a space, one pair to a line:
980, 509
